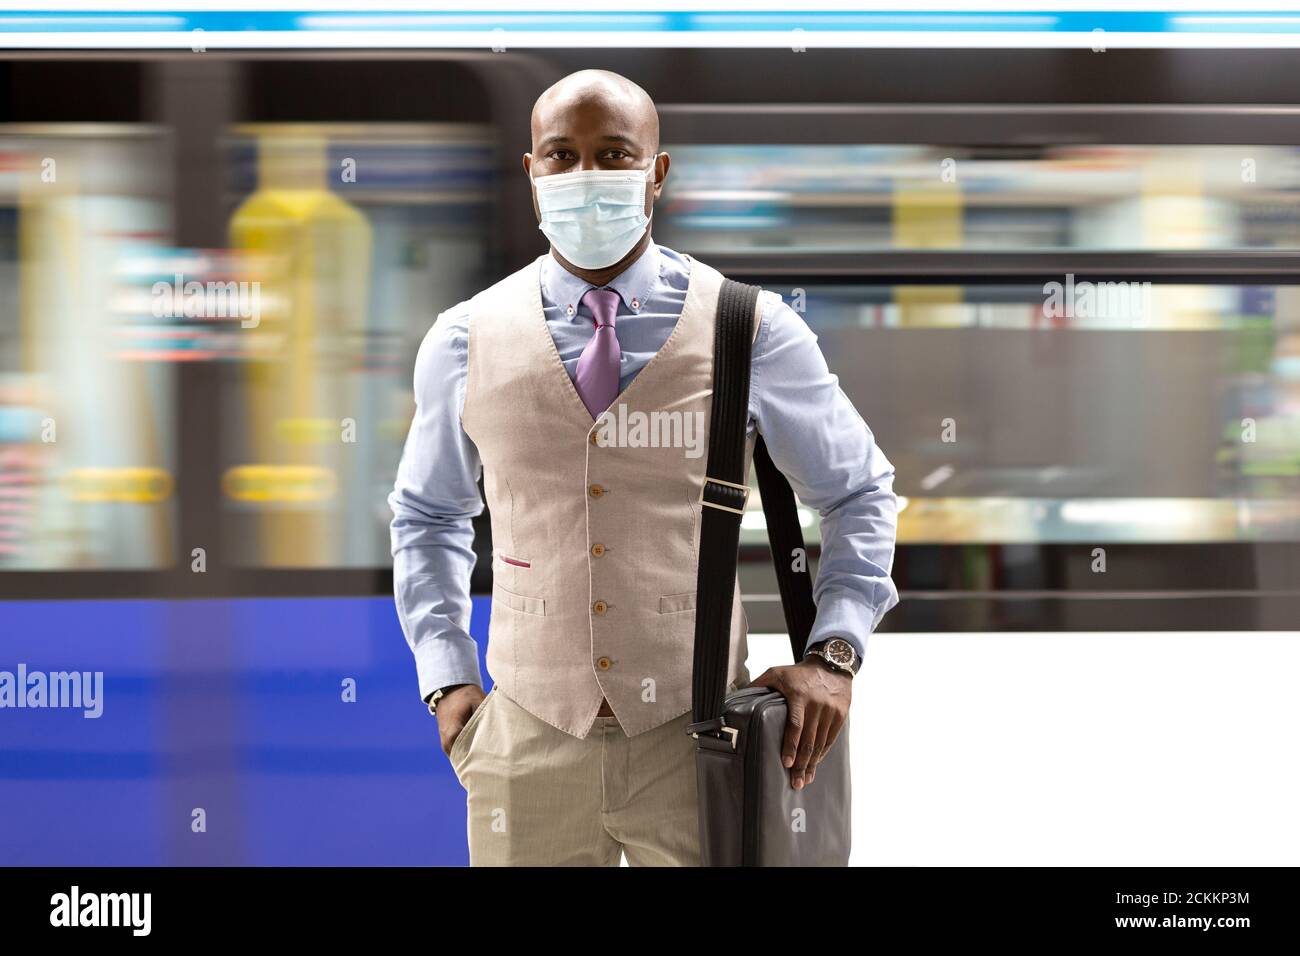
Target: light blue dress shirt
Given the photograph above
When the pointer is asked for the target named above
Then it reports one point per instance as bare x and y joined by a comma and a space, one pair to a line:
812, 431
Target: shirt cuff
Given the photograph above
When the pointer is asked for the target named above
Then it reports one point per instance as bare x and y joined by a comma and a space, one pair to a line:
445, 661
845, 614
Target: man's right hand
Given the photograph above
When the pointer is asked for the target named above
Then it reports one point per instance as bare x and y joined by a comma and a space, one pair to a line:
454, 711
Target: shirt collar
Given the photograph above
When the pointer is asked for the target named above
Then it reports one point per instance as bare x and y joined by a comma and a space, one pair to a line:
634, 284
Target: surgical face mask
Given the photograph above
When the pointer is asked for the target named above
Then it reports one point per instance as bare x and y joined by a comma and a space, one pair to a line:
594, 217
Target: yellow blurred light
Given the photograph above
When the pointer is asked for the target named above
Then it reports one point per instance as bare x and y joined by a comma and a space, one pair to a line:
281, 483
307, 431
129, 485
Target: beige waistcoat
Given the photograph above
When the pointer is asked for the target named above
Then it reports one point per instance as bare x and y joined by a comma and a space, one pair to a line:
594, 541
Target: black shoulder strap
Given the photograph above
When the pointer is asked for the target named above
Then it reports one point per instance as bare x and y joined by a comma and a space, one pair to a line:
723, 503
790, 557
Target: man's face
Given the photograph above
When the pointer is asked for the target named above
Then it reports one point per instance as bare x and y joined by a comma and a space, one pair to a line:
595, 132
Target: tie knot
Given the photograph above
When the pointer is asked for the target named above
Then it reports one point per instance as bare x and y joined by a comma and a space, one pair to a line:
603, 304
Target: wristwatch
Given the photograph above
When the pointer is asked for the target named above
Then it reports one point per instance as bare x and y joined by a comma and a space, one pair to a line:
432, 701
838, 653
437, 695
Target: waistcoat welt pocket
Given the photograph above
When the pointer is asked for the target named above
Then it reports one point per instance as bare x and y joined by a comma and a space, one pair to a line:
520, 602
668, 603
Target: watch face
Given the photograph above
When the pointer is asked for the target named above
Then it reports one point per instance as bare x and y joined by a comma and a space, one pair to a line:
840, 652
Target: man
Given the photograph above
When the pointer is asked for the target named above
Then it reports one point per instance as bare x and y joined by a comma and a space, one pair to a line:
580, 751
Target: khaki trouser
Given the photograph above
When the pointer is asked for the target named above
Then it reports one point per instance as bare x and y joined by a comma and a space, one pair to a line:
540, 797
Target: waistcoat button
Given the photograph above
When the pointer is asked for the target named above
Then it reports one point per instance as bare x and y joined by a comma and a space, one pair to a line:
596, 491
598, 550
600, 607
592, 438
604, 663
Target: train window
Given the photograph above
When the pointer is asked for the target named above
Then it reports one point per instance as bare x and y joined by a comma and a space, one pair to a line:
87, 450
367, 232
1097, 412
770, 199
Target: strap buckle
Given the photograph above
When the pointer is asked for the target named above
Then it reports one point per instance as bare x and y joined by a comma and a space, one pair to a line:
725, 495
716, 726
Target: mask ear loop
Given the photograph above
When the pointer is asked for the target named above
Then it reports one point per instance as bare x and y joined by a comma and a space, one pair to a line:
650, 218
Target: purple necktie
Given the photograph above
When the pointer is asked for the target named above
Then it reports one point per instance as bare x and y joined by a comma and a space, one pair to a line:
598, 366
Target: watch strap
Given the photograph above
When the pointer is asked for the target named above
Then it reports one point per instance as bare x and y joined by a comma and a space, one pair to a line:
437, 695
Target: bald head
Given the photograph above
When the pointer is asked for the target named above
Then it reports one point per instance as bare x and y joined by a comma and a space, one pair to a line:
595, 101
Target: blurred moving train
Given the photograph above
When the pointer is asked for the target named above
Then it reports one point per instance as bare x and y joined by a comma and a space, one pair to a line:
1061, 289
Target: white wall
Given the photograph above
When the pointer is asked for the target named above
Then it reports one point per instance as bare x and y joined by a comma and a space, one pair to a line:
1118, 749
